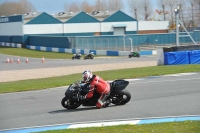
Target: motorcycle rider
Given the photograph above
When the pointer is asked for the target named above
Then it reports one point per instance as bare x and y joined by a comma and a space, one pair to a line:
131, 52
78, 54
96, 84
91, 54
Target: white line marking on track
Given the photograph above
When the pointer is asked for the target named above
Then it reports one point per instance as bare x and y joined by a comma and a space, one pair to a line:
112, 120
166, 81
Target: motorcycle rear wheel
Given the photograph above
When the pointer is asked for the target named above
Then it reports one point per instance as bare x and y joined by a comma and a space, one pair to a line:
66, 103
121, 97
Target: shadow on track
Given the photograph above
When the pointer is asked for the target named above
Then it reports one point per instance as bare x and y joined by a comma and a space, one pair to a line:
77, 110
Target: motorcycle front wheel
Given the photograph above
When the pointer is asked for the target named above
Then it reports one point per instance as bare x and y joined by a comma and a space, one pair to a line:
66, 103
121, 97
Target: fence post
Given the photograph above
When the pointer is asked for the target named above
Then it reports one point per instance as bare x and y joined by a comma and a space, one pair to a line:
124, 43
116, 43
70, 41
94, 43
87, 43
131, 44
82, 42
108, 43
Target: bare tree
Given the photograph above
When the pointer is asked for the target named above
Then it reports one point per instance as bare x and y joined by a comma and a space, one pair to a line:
113, 5
163, 3
192, 6
73, 7
16, 7
171, 4
197, 2
196, 11
134, 6
147, 8
100, 5
86, 7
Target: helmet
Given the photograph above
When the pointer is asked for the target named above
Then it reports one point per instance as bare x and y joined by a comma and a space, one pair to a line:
92, 52
87, 75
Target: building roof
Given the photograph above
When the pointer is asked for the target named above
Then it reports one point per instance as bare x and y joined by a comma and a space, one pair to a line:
40, 18
119, 16
101, 15
64, 16
29, 16
82, 17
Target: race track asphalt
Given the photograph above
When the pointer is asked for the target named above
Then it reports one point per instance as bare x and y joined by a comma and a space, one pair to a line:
151, 97
35, 63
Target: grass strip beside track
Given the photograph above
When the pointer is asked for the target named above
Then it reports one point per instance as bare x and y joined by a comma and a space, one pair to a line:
168, 127
43, 83
34, 53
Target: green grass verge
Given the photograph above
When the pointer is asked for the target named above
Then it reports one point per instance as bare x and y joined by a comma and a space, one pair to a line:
34, 53
38, 84
169, 127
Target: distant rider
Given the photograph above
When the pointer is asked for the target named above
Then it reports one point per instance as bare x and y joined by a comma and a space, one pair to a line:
78, 54
96, 84
91, 54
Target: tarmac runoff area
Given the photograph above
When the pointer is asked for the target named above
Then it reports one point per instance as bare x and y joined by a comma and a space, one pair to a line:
16, 75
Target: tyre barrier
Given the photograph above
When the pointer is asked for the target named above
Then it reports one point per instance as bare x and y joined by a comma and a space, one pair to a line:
16, 45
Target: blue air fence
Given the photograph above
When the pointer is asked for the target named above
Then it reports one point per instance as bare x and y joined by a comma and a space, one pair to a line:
128, 42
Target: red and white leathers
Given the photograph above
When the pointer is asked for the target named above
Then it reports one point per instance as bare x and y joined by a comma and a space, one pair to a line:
100, 86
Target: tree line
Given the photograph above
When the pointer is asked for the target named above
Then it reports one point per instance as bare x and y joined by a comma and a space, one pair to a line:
139, 9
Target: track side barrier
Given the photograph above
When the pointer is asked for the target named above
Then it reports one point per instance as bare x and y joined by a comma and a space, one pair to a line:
16, 45
86, 51
179, 55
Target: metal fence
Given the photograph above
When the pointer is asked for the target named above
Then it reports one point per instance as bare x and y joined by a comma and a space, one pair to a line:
130, 42
102, 43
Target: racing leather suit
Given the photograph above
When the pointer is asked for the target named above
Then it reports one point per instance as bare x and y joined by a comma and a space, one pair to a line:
100, 86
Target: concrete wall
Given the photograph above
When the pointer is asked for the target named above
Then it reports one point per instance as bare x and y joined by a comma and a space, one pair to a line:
81, 27
108, 26
11, 29
149, 27
43, 29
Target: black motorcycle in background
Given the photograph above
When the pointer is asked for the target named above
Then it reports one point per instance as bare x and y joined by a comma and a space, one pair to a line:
118, 95
134, 54
89, 56
76, 56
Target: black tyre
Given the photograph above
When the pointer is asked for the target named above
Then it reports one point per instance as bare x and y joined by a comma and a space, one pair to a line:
66, 103
129, 56
121, 97
72, 58
138, 55
85, 58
